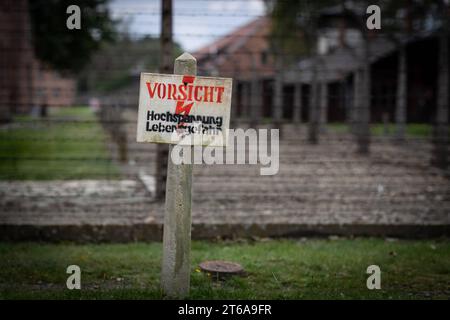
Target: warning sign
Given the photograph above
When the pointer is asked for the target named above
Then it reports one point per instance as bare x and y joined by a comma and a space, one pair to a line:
186, 110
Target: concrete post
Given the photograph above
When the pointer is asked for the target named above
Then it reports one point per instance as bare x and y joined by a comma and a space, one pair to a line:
255, 105
323, 105
175, 275
245, 100
165, 67
277, 104
363, 109
314, 110
297, 103
400, 107
440, 132
356, 103
278, 98
348, 102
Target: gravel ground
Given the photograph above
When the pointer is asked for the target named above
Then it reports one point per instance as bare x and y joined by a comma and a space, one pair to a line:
323, 184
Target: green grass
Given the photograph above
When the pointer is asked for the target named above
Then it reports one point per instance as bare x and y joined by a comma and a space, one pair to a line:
418, 130
338, 127
413, 130
36, 149
276, 269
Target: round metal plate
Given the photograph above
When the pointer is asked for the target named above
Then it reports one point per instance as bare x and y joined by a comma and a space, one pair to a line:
220, 268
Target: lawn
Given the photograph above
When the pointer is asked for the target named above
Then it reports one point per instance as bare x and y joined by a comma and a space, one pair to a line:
418, 130
276, 269
69, 144
412, 130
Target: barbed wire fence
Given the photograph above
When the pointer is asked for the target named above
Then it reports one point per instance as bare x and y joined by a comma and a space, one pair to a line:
399, 181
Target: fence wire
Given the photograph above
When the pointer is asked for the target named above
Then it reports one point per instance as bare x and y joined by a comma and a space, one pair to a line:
74, 163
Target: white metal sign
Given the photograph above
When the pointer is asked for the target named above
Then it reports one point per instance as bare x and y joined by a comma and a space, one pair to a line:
187, 110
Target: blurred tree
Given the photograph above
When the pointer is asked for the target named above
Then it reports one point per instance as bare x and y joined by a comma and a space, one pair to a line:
294, 26
294, 34
114, 64
64, 49
295, 22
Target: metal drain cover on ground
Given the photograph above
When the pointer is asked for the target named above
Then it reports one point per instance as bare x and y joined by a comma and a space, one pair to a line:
220, 268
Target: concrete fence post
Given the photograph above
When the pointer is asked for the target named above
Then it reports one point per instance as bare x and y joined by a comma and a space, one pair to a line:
166, 56
246, 110
314, 109
278, 100
323, 106
440, 131
121, 135
255, 102
401, 95
363, 109
297, 115
175, 275
356, 105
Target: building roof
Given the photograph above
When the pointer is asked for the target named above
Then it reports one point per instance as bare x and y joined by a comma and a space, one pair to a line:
231, 41
339, 63
238, 53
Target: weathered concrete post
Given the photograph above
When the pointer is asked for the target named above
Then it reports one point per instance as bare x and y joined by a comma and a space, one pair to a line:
349, 96
246, 109
356, 103
121, 134
323, 106
175, 274
255, 103
314, 110
166, 56
440, 130
363, 109
255, 96
278, 100
297, 103
400, 107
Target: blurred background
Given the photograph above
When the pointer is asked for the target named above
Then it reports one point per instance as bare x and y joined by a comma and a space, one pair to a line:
362, 113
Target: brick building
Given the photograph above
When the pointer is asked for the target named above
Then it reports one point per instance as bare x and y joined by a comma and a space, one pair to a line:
245, 56
24, 81
51, 87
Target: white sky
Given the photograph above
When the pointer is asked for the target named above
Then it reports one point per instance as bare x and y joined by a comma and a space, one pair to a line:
196, 22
